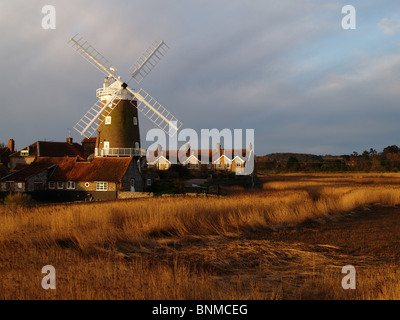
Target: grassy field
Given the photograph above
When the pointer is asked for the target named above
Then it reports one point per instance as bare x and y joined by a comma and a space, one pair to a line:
288, 240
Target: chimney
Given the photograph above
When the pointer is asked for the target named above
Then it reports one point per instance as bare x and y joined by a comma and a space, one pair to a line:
69, 140
11, 145
218, 147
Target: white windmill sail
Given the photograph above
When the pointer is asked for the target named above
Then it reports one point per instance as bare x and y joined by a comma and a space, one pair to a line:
152, 109
148, 60
88, 125
80, 45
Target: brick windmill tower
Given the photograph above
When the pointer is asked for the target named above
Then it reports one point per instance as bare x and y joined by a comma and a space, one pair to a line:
114, 117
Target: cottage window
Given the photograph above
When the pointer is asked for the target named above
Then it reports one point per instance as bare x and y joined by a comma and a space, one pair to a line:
238, 164
101, 186
52, 185
188, 165
219, 165
60, 185
108, 120
70, 185
135, 121
197, 165
228, 165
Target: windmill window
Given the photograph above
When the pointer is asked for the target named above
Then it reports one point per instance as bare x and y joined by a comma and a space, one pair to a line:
135, 121
108, 120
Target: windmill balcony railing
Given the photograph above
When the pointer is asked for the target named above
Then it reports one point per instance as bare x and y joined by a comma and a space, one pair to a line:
119, 152
106, 91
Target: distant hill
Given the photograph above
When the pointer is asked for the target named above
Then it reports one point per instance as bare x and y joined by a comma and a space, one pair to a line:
368, 161
283, 157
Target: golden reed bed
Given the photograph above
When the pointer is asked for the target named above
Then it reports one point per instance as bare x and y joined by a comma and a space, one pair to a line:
183, 247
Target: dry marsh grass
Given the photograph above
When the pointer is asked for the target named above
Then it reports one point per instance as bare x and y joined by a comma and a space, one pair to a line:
193, 247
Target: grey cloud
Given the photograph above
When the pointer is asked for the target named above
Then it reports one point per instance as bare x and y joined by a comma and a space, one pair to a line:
232, 64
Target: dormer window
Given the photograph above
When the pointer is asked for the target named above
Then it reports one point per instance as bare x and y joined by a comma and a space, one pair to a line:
24, 153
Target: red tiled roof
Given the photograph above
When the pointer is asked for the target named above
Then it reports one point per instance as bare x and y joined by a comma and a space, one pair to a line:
99, 169
59, 149
3, 170
3, 150
74, 169
29, 171
54, 149
90, 139
20, 166
4, 154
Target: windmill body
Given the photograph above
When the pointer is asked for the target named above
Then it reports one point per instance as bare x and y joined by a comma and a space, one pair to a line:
118, 131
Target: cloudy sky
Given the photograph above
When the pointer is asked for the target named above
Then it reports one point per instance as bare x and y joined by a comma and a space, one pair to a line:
286, 69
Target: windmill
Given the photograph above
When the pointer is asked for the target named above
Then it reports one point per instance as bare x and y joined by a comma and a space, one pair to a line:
114, 116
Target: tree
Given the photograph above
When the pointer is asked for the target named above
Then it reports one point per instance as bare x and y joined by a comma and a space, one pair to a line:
292, 163
365, 155
391, 149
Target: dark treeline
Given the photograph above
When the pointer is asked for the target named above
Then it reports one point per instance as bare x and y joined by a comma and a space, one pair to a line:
368, 161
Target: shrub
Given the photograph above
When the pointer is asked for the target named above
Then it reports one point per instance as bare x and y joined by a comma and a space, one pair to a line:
19, 199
